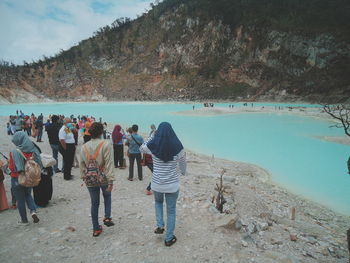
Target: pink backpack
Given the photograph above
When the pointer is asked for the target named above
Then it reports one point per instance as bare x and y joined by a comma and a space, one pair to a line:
94, 175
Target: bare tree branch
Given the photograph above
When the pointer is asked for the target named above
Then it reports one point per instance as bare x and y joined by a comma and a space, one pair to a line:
341, 113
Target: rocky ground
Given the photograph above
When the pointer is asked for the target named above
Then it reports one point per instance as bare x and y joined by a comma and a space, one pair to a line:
256, 226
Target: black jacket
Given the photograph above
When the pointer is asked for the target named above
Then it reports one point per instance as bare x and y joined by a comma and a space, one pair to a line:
52, 132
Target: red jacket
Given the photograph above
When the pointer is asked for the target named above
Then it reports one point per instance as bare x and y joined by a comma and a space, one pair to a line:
11, 164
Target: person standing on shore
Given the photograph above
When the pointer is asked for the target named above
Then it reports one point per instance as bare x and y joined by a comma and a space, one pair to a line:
19, 123
135, 142
67, 148
52, 133
16, 165
87, 136
167, 153
96, 169
118, 148
39, 125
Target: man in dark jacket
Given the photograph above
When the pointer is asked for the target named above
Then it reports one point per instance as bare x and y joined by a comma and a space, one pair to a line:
52, 132
39, 125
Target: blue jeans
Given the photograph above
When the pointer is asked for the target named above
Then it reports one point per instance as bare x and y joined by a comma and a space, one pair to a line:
95, 203
170, 199
54, 148
40, 134
23, 195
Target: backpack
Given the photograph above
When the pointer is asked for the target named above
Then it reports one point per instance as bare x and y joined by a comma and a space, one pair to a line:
32, 172
94, 175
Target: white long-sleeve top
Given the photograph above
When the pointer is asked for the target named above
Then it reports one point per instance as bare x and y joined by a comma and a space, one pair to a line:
166, 176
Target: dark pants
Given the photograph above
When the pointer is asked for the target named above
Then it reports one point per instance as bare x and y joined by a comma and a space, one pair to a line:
68, 159
40, 134
349, 165
118, 155
23, 196
13, 198
95, 203
150, 166
132, 157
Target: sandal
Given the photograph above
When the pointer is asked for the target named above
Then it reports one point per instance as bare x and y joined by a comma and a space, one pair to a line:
171, 242
108, 221
159, 230
96, 233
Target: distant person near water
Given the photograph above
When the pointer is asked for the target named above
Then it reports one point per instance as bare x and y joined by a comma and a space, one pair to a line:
39, 125
87, 125
96, 169
67, 148
52, 133
118, 147
16, 165
167, 153
135, 141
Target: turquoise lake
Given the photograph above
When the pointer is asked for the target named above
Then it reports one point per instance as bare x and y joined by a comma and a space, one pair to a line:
285, 145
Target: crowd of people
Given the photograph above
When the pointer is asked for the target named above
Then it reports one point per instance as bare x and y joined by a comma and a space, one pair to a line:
98, 156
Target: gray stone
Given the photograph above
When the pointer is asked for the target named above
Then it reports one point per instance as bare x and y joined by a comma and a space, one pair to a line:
228, 221
238, 224
244, 243
251, 228
262, 226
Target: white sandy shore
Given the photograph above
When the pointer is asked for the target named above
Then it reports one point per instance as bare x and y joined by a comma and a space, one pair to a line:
259, 209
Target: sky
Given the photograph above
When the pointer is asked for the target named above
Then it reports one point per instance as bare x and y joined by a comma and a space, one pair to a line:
30, 29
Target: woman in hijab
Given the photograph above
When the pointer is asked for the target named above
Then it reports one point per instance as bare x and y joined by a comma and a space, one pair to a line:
117, 138
16, 166
167, 153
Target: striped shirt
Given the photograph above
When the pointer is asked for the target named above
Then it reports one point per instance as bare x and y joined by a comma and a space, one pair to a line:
165, 178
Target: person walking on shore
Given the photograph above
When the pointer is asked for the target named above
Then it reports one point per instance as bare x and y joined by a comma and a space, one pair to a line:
52, 132
67, 148
118, 148
96, 169
135, 142
167, 153
16, 165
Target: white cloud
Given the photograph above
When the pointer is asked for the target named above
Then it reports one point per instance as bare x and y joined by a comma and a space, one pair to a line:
31, 29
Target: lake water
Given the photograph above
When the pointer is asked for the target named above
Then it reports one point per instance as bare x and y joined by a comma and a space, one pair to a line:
285, 145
